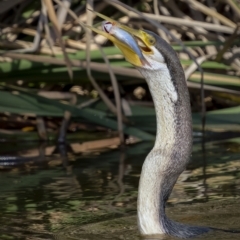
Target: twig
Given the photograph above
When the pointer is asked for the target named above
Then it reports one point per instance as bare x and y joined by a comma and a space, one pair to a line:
166, 19
62, 12
228, 44
234, 6
117, 97
211, 13
112, 76
37, 37
193, 66
53, 18
174, 7
156, 11
49, 39
92, 80
65, 122
42, 132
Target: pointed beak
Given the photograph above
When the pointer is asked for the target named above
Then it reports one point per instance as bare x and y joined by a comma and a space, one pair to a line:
129, 53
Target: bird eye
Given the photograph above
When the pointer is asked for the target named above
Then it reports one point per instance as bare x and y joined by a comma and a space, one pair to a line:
151, 40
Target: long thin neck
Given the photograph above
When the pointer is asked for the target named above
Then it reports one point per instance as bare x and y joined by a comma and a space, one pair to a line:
170, 153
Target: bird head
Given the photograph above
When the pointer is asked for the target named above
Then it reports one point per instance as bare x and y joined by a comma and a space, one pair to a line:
146, 42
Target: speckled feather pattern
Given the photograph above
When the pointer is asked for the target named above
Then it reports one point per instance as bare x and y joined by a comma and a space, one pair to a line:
173, 144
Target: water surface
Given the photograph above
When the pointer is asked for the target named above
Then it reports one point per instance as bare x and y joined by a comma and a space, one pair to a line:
65, 195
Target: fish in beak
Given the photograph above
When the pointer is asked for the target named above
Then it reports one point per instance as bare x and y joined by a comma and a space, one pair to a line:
132, 43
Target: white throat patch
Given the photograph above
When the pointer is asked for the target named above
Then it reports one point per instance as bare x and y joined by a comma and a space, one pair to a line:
158, 76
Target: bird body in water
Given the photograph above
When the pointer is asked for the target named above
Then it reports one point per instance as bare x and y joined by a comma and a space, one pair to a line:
172, 149
173, 144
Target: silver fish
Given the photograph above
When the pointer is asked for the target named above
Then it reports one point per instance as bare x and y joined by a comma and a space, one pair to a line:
124, 37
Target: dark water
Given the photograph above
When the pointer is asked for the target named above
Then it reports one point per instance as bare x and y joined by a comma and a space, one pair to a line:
93, 195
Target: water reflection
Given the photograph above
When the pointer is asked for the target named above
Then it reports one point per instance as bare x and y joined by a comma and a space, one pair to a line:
61, 192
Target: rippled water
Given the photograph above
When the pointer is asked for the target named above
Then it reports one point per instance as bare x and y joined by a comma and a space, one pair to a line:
93, 195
